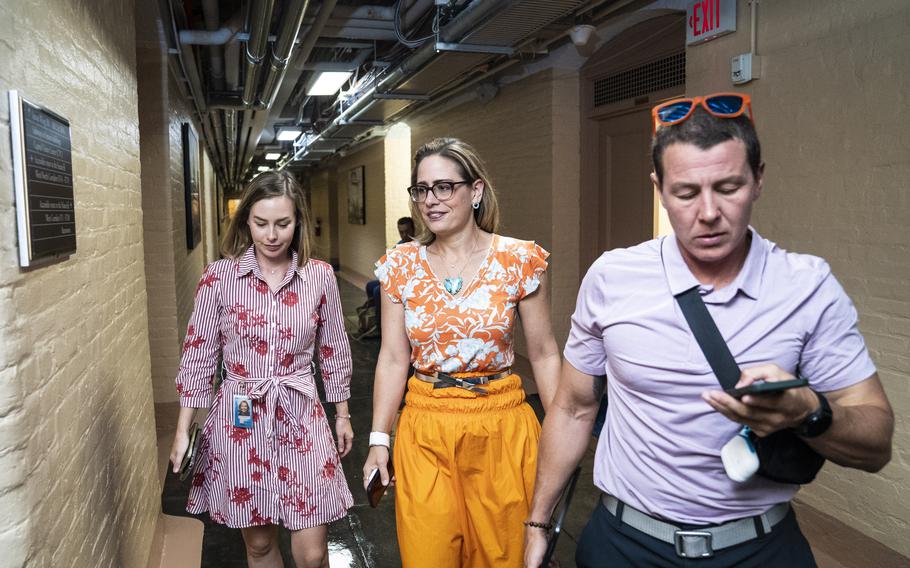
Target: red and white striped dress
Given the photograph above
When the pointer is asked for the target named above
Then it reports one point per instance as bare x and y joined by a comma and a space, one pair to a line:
285, 469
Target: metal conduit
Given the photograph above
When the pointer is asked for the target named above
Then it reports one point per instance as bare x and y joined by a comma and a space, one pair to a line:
473, 15
281, 50
260, 20
286, 86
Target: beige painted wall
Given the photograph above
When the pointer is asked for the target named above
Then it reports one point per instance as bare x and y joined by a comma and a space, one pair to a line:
172, 271
77, 435
323, 206
835, 77
359, 246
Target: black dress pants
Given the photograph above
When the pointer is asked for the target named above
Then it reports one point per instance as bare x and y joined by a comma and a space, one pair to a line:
607, 543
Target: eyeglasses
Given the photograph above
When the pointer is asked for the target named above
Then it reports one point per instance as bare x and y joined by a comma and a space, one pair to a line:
722, 105
442, 190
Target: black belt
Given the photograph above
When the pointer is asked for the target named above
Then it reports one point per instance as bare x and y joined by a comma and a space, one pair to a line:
442, 380
702, 542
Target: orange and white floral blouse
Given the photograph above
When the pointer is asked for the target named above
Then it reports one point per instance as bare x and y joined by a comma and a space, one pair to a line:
473, 330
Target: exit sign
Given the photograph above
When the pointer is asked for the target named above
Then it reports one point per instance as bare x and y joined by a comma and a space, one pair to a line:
709, 19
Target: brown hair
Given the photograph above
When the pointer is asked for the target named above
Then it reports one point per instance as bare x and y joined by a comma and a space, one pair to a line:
266, 185
471, 168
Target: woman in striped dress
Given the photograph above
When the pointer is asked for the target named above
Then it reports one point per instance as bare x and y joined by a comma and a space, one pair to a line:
262, 310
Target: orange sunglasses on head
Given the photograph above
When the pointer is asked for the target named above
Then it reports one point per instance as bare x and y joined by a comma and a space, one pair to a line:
723, 105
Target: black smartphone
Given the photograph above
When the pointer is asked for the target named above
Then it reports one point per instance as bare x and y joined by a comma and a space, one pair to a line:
375, 488
766, 387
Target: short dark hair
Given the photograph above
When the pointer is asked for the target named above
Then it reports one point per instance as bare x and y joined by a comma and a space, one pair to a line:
406, 221
705, 131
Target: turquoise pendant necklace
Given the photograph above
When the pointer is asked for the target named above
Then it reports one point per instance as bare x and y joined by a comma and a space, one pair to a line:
453, 285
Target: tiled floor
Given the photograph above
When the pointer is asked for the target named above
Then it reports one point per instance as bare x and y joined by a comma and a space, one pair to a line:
367, 537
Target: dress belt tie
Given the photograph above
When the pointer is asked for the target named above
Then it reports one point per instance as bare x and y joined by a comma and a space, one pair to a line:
259, 387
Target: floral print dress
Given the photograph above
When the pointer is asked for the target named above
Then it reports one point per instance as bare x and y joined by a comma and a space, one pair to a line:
470, 332
286, 468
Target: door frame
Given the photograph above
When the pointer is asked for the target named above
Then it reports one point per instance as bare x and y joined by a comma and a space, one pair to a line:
642, 43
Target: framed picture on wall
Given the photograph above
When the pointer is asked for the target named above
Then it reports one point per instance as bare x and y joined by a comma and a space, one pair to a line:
191, 189
356, 209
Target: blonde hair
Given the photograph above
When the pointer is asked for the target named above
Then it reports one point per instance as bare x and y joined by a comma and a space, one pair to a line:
267, 185
471, 168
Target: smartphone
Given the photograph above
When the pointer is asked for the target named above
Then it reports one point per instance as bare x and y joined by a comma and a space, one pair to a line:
375, 488
765, 387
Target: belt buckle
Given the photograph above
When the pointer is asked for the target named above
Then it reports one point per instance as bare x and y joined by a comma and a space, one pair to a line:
683, 544
446, 380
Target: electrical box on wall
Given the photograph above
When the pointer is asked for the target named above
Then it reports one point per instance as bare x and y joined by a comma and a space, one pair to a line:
744, 67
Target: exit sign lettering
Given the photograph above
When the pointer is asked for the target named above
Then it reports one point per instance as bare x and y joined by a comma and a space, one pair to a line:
709, 19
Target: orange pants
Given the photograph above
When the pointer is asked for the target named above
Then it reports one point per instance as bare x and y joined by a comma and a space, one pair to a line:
465, 467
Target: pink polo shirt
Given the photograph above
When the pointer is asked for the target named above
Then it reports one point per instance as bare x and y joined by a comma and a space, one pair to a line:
660, 447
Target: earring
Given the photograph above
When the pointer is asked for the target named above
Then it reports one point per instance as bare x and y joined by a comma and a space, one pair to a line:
476, 205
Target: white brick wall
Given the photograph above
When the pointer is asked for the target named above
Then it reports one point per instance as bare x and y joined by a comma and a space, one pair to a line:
77, 438
838, 160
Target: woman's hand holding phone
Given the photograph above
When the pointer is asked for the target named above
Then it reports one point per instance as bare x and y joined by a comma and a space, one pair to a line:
378, 473
178, 449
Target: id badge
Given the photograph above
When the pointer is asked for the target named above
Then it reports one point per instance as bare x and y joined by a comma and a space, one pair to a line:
739, 457
243, 411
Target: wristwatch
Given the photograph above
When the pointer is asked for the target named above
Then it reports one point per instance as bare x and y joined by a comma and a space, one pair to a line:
818, 422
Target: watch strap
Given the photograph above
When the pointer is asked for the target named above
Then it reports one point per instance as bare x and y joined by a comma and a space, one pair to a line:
818, 422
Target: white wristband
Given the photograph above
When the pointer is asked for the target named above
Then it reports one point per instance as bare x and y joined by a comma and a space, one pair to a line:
380, 439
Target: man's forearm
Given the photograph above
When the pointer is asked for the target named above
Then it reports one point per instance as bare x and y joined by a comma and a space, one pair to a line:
564, 440
859, 437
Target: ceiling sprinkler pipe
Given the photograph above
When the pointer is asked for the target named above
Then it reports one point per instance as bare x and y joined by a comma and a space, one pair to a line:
281, 51
256, 46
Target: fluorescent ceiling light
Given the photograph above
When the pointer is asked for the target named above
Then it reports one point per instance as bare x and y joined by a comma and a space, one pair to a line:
263, 168
272, 156
287, 134
328, 83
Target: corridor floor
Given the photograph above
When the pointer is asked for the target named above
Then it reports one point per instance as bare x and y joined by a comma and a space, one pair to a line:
366, 538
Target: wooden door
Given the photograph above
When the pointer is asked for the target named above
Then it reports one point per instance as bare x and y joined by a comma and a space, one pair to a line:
625, 189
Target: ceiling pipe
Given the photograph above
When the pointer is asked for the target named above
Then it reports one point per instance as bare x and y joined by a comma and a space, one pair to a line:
281, 50
441, 98
212, 18
258, 27
410, 16
292, 76
254, 122
186, 61
218, 36
365, 13
349, 32
473, 15
351, 65
230, 133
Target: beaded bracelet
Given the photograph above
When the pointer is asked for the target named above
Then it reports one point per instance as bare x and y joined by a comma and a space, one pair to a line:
545, 526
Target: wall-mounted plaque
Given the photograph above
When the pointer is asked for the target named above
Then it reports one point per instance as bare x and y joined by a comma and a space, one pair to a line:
43, 172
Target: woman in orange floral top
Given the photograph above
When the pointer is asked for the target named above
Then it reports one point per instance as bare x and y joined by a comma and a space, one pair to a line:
466, 445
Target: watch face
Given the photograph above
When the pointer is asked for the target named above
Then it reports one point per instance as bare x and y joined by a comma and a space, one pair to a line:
818, 422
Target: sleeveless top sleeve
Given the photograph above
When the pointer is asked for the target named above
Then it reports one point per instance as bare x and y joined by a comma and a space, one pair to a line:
530, 262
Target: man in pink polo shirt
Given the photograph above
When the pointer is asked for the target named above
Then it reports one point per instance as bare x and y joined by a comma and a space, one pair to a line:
658, 459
